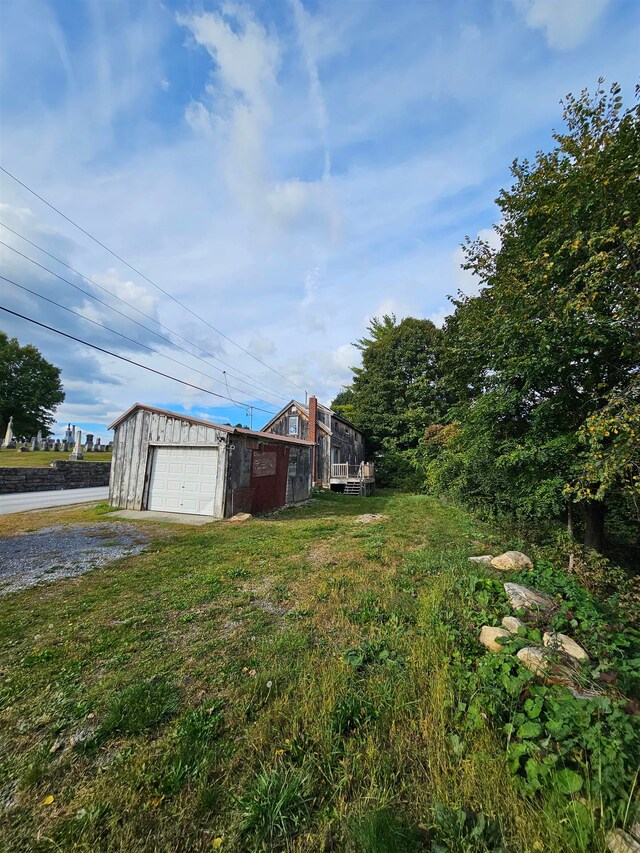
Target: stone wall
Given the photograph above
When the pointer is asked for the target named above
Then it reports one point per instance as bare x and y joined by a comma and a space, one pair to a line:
59, 475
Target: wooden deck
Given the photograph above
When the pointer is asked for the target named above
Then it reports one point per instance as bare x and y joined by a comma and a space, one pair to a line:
356, 479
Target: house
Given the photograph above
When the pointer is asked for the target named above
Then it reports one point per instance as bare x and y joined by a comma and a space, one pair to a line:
172, 462
339, 457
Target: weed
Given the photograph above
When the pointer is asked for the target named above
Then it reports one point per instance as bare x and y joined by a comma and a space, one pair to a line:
275, 807
139, 708
370, 653
384, 831
460, 831
352, 715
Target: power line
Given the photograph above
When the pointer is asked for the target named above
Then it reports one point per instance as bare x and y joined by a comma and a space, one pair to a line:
251, 385
257, 384
121, 357
131, 340
146, 278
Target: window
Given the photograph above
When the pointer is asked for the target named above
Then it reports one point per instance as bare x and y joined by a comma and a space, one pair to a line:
293, 424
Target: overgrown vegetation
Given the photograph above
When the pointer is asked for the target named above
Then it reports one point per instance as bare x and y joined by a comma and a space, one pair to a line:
526, 405
306, 683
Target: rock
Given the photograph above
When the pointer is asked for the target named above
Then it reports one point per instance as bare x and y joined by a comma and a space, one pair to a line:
619, 841
485, 559
368, 517
550, 671
511, 560
521, 597
534, 659
512, 623
489, 637
562, 643
241, 516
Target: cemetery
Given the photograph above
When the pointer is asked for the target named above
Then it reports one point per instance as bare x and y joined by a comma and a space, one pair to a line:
42, 464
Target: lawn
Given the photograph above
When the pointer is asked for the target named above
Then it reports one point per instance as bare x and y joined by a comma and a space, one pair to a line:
301, 682
43, 458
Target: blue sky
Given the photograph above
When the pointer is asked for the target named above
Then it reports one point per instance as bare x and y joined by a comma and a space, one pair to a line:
287, 170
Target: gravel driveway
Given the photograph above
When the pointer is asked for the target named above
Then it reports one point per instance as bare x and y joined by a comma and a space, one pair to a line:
62, 552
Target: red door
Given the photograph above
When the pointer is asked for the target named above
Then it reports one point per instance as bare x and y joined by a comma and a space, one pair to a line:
269, 468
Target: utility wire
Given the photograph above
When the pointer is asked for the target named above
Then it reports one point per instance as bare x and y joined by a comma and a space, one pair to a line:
131, 340
121, 357
256, 383
252, 387
146, 278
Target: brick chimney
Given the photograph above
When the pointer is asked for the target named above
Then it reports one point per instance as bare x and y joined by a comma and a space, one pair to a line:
313, 434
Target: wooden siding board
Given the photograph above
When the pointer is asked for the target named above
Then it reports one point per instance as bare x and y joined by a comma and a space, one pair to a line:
135, 436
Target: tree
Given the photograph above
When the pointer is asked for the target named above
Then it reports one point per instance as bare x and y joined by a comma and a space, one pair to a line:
30, 388
395, 393
546, 359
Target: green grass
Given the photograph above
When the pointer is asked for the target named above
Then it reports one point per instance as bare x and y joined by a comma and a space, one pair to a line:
292, 683
43, 458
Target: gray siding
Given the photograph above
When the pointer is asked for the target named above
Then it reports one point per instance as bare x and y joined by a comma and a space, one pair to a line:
142, 430
349, 441
239, 495
281, 426
135, 436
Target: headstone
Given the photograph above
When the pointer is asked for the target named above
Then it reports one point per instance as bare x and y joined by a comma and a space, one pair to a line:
73, 434
65, 446
34, 443
89, 443
13, 444
68, 436
77, 450
8, 438
96, 445
56, 445
39, 441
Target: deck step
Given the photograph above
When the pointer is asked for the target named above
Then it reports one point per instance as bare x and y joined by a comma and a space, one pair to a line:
352, 489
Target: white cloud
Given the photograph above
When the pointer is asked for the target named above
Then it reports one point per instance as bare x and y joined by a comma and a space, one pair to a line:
307, 36
438, 317
238, 98
467, 281
566, 23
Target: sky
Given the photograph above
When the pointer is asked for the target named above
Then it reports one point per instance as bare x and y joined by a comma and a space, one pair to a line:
272, 175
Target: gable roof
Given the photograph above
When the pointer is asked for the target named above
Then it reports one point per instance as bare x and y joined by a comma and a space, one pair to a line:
222, 427
303, 408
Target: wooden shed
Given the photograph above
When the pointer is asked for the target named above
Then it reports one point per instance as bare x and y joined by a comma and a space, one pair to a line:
171, 462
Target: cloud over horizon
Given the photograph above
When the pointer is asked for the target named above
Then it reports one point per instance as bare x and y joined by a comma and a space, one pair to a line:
286, 170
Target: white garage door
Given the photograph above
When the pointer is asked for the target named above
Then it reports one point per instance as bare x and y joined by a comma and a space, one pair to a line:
183, 479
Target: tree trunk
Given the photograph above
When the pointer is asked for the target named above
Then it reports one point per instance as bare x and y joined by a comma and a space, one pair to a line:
570, 534
594, 527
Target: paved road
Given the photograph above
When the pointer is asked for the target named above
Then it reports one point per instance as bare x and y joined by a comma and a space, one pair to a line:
42, 500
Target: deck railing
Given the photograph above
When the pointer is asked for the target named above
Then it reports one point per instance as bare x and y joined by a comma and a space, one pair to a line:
345, 471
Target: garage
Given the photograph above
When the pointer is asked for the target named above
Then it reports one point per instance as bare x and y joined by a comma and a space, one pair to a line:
171, 462
183, 479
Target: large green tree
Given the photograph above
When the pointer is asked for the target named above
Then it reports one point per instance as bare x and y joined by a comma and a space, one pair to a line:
30, 388
546, 360
395, 392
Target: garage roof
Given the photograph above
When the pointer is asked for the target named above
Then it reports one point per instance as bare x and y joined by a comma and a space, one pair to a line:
223, 427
